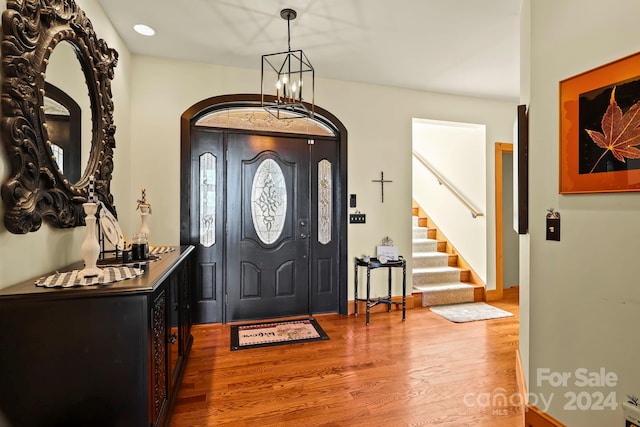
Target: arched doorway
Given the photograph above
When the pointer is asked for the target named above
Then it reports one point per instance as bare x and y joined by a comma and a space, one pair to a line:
263, 201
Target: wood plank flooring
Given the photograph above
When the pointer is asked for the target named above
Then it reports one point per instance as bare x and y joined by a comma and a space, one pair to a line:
425, 371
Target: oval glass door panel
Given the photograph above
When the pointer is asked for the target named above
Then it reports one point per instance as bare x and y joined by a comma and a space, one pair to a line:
268, 201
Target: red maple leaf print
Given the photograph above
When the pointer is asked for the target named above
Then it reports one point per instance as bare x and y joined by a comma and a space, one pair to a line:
620, 132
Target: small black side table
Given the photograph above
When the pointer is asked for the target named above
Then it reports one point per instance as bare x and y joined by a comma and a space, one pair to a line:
372, 264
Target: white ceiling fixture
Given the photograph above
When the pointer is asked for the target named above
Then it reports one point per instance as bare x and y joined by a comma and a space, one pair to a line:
143, 29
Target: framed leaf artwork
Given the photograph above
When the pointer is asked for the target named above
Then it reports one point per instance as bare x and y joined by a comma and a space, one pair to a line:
600, 129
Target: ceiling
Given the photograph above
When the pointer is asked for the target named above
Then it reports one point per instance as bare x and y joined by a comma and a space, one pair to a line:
462, 47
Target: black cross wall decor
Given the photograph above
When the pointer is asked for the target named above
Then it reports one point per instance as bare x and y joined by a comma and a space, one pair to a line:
381, 181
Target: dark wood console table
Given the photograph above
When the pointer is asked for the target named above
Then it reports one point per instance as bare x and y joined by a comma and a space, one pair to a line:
372, 264
103, 355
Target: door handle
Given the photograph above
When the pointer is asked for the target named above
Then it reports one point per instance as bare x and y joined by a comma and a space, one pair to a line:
303, 228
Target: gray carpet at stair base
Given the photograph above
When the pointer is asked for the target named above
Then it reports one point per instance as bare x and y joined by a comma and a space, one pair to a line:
469, 312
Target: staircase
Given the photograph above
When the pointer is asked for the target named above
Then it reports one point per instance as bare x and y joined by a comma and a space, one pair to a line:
439, 277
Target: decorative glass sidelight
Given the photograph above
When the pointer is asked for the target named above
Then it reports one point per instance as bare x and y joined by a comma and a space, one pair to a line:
208, 189
268, 201
325, 205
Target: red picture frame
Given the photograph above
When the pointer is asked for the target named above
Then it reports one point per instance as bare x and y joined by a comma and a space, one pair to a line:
607, 92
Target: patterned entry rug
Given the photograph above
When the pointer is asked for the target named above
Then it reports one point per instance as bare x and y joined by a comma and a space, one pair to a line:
469, 312
276, 333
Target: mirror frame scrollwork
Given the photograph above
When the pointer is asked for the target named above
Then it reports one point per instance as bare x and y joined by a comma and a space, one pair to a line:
36, 188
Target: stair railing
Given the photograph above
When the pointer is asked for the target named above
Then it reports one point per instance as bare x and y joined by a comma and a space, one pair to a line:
474, 212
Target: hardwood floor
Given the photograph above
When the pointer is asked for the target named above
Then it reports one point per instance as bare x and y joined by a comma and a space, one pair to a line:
425, 371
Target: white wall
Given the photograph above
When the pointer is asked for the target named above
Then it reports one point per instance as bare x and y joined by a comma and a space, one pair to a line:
584, 295
458, 152
510, 240
524, 266
27, 256
378, 120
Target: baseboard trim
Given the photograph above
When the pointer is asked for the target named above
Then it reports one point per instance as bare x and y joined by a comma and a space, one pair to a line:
494, 295
520, 380
533, 416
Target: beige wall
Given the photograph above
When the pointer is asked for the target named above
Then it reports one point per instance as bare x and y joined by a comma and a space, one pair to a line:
151, 94
26, 256
584, 295
378, 119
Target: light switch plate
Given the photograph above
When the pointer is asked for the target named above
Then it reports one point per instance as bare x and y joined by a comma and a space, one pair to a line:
553, 229
357, 218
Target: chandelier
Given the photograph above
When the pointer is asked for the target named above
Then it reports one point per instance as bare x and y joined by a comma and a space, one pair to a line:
286, 76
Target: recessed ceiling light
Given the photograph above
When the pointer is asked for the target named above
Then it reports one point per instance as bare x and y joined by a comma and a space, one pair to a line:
145, 30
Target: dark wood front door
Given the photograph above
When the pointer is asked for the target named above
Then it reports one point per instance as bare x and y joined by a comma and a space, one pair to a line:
265, 212
267, 227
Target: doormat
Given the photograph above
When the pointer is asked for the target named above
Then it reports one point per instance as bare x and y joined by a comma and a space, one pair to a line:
469, 312
276, 333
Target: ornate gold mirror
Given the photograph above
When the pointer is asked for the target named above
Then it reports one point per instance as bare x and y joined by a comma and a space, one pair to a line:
37, 187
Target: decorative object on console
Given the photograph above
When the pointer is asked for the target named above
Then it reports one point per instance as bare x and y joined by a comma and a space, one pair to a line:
156, 250
72, 278
145, 211
289, 72
127, 261
386, 251
90, 248
111, 229
91, 190
36, 188
140, 247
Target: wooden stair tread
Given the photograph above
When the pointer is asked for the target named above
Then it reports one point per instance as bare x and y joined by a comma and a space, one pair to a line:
443, 247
